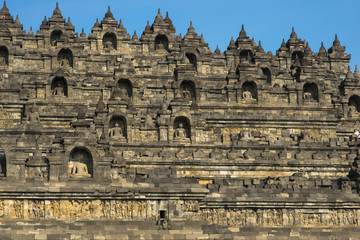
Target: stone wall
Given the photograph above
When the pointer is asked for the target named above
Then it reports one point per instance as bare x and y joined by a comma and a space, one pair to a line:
160, 133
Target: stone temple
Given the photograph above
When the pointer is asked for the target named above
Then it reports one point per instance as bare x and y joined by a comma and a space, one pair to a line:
112, 136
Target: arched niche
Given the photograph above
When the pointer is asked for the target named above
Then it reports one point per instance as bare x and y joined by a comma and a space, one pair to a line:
191, 58
109, 41
297, 74
55, 37
80, 163
354, 103
267, 73
188, 89
182, 128
249, 91
311, 92
123, 90
4, 56
247, 55
59, 87
297, 55
161, 42
2, 163
118, 127
65, 58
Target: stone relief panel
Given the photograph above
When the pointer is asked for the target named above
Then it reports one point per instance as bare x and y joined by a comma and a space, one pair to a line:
141, 210
281, 217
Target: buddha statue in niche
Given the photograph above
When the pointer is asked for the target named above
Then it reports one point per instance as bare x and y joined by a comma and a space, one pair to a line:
109, 45
308, 96
79, 168
58, 90
64, 63
352, 110
120, 94
3, 59
180, 132
116, 132
247, 96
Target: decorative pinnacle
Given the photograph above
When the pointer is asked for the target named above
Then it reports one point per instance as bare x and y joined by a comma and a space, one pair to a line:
69, 23
260, 48
322, 48
356, 72
242, 32
167, 19
121, 25
336, 41
293, 33
17, 20
5, 9
82, 34
57, 10
217, 50
97, 24
109, 13
231, 44
349, 74
135, 36
147, 27
191, 29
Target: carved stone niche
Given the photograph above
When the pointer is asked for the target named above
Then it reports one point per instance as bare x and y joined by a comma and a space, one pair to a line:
311, 92
188, 90
118, 128
65, 58
59, 87
249, 92
182, 129
123, 91
4, 57
2, 163
37, 167
354, 106
80, 163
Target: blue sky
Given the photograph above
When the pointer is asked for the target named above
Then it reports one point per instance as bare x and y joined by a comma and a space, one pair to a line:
267, 20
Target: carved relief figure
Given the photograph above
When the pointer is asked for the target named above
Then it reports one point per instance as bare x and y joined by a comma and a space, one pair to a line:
245, 135
36, 209
18, 209
306, 137
106, 208
33, 117
55, 208
2, 208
